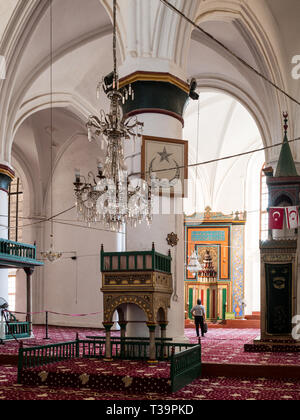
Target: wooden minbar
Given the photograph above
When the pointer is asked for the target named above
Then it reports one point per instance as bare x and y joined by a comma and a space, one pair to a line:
141, 278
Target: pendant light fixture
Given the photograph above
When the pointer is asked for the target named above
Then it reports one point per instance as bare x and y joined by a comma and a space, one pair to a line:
111, 198
51, 255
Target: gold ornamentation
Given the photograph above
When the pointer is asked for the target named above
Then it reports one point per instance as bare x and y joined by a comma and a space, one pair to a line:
43, 375
127, 381
84, 378
172, 239
277, 258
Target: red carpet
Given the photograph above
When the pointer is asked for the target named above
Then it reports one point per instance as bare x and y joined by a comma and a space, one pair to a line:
218, 388
219, 346
124, 376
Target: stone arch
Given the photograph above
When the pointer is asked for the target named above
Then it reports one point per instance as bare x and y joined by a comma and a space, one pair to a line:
283, 200
266, 50
121, 314
161, 315
112, 303
26, 18
75, 105
32, 196
244, 18
229, 88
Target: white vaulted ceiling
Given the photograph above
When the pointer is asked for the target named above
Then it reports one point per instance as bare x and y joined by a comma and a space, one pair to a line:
225, 128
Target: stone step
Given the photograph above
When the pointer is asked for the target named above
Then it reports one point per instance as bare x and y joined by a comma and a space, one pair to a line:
252, 317
232, 323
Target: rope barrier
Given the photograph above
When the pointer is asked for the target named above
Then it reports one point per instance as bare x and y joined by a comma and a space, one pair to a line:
55, 313
46, 320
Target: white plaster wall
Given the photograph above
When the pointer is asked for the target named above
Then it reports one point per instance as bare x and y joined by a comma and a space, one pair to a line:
252, 253
4, 235
21, 293
73, 287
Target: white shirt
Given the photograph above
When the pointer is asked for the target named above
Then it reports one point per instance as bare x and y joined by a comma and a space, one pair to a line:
198, 310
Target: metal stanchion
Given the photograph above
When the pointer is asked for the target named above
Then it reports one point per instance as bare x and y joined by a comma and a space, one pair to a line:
47, 327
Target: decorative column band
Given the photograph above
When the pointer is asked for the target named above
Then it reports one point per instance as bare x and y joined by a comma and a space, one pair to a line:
154, 77
6, 176
160, 93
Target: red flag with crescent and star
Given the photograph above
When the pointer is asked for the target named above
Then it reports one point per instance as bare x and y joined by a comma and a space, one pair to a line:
276, 217
292, 217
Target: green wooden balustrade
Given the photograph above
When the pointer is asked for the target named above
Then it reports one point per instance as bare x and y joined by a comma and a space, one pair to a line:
185, 358
135, 261
102, 337
43, 355
17, 251
185, 367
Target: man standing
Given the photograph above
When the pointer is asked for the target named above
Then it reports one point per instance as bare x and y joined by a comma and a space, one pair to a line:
198, 312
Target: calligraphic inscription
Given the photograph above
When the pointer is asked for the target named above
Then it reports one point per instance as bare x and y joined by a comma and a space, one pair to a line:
208, 235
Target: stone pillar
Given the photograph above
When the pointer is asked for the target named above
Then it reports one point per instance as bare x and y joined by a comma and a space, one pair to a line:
29, 271
163, 334
123, 325
6, 176
159, 103
163, 329
152, 347
108, 349
2, 328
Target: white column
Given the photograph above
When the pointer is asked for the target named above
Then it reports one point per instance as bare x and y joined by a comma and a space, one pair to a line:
142, 237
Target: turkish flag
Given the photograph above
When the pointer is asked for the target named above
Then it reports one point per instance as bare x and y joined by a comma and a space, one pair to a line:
276, 216
292, 217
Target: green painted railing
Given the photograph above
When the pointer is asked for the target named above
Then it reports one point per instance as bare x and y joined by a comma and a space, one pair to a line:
17, 330
32, 357
17, 250
135, 261
164, 350
185, 367
102, 337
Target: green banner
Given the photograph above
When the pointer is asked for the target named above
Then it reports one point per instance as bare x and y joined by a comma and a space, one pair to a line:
279, 298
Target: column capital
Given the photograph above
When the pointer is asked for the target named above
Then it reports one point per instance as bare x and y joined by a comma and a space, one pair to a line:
108, 325
29, 270
151, 326
156, 93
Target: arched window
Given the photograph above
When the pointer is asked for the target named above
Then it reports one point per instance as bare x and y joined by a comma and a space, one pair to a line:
15, 210
264, 201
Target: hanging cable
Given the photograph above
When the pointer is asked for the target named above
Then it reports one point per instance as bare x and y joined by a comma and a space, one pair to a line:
232, 53
193, 165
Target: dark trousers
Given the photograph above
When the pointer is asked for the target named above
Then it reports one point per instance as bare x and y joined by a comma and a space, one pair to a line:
199, 322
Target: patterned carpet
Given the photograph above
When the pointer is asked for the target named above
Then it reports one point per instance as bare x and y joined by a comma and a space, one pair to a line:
218, 388
121, 376
227, 347
218, 346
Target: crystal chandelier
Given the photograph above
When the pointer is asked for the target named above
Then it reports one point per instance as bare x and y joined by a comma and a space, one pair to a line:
110, 197
194, 266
